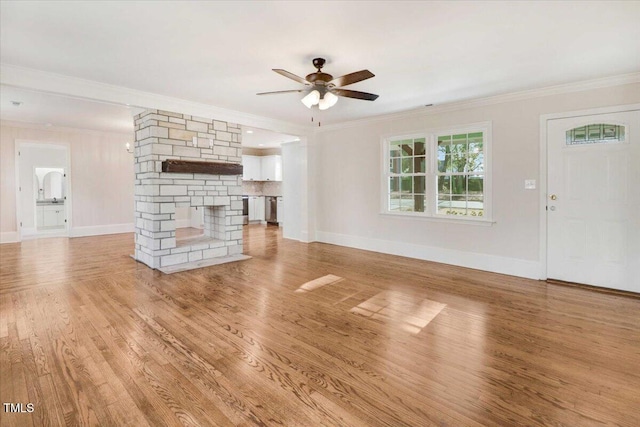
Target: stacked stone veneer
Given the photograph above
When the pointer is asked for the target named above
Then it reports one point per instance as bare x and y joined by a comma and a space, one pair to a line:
162, 135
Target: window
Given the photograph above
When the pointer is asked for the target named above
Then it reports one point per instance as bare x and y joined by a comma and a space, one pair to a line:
595, 134
407, 175
460, 174
439, 174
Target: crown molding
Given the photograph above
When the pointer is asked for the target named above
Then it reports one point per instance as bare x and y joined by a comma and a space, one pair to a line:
43, 81
611, 81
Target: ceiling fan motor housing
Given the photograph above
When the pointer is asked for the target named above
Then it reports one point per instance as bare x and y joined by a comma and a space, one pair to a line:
319, 78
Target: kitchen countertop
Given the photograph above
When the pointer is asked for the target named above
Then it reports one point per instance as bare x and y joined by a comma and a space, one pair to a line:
49, 203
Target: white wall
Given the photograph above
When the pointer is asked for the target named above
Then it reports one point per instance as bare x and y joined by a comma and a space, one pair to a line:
298, 191
101, 178
347, 174
293, 188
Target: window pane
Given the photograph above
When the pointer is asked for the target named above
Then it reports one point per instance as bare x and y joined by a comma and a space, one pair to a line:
407, 165
444, 204
476, 185
459, 205
407, 148
394, 201
475, 162
459, 140
419, 184
418, 202
394, 165
475, 147
394, 149
441, 160
458, 159
445, 164
443, 145
394, 184
406, 184
419, 146
458, 184
580, 134
444, 184
595, 134
475, 206
419, 164
407, 203
475, 142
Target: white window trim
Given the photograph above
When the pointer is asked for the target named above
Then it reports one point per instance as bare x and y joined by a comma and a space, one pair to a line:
431, 136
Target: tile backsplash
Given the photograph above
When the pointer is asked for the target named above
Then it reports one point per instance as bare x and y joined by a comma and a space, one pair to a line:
262, 188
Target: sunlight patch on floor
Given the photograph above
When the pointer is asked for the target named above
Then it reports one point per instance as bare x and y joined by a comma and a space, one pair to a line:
398, 307
329, 279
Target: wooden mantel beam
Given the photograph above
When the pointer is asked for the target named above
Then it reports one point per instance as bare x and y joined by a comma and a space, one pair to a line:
211, 168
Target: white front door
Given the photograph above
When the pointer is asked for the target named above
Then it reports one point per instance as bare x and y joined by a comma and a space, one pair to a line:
593, 200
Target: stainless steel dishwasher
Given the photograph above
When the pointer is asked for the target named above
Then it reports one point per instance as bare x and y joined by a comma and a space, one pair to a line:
271, 209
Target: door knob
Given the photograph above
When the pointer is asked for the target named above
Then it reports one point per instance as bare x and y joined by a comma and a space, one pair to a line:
553, 197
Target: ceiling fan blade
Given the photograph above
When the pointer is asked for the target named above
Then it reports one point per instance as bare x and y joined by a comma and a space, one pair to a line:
291, 76
280, 91
349, 79
355, 94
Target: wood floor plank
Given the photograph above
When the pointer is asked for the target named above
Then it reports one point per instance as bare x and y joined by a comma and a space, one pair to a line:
93, 338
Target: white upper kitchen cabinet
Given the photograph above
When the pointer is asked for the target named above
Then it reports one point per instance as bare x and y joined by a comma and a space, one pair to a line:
251, 168
261, 168
271, 168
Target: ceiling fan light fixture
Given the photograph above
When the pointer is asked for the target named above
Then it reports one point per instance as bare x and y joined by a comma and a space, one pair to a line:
311, 99
328, 101
322, 89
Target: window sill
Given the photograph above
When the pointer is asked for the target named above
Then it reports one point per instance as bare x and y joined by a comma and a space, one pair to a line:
485, 222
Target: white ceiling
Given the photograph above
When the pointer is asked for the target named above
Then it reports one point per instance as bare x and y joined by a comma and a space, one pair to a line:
262, 139
49, 110
222, 53
52, 111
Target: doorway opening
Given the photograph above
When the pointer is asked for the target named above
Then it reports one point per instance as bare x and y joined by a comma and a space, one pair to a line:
43, 196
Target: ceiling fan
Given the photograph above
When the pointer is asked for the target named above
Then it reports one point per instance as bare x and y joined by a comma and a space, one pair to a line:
322, 89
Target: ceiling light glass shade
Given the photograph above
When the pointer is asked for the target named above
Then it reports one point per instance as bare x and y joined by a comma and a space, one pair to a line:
328, 101
311, 99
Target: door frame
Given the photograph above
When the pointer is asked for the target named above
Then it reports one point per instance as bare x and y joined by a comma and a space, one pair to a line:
68, 202
544, 119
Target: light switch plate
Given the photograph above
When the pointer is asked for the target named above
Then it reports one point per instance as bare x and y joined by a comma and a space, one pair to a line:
529, 184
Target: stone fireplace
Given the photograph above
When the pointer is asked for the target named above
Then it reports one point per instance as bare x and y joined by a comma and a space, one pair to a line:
186, 161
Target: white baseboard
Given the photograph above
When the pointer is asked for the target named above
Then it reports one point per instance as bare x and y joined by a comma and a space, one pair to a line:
97, 230
305, 237
8, 237
493, 263
91, 230
28, 233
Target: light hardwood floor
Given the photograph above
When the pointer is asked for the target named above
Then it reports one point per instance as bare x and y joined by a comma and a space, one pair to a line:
91, 337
